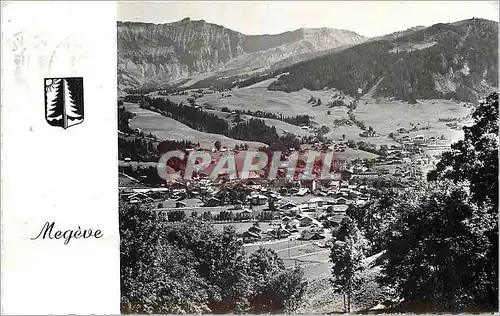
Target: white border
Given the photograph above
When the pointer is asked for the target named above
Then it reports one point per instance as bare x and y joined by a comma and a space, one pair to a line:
50, 174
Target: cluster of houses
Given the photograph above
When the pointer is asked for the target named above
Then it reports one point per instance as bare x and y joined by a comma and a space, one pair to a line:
405, 172
298, 212
253, 193
304, 221
286, 230
298, 209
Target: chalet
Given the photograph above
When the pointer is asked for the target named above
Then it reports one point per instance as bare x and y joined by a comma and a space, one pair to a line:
341, 201
213, 201
293, 211
304, 207
255, 229
354, 194
257, 199
237, 206
406, 160
273, 196
180, 204
179, 196
138, 198
124, 195
332, 193
337, 209
406, 138
316, 223
287, 206
307, 221
292, 225
315, 203
419, 139
280, 232
312, 235
360, 202
302, 192
250, 237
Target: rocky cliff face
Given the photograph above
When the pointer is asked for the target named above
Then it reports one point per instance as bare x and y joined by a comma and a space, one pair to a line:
156, 54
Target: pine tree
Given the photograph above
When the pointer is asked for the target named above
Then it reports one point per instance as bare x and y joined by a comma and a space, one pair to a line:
71, 115
55, 101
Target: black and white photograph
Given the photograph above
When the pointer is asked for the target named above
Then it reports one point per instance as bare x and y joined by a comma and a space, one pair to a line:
304, 157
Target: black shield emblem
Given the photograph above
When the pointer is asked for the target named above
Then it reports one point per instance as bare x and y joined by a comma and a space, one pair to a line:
64, 101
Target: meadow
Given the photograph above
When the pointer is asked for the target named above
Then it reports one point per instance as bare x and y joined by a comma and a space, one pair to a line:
383, 115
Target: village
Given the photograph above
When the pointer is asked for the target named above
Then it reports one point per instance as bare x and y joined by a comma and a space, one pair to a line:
273, 210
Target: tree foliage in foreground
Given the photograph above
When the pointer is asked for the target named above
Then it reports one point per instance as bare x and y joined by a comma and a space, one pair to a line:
442, 245
189, 267
347, 254
475, 158
438, 256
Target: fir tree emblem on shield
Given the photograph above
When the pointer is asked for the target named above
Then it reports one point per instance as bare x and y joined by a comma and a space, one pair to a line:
64, 101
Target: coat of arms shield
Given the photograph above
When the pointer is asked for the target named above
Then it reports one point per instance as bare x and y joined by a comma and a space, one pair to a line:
64, 101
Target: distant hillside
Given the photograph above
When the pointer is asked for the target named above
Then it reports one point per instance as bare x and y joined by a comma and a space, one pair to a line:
457, 60
397, 34
159, 54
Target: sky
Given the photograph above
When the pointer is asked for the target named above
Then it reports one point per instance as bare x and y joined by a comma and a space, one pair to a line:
368, 18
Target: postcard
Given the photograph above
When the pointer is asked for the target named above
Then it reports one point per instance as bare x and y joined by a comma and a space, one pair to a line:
249, 157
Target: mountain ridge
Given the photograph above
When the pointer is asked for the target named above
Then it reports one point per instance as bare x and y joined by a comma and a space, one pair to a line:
162, 53
456, 60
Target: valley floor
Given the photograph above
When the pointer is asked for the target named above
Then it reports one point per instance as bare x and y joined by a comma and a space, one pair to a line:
383, 115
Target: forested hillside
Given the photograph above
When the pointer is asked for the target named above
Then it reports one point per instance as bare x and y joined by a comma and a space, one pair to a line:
454, 61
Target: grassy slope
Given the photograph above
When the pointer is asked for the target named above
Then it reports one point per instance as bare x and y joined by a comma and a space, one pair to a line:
315, 260
388, 116
320, 297
383, 115
166, 128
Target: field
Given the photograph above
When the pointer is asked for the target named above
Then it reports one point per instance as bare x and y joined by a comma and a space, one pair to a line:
383, 115
389, 116
257, 97
166, 128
